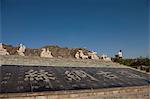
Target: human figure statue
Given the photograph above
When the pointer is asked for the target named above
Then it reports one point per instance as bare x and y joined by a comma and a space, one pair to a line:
105, 58
77, 56
46, 53
43, 53
93, 55
81, 55
21, 50
49, 54
2, 50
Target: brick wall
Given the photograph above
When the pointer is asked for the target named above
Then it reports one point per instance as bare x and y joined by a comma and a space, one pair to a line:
138, 92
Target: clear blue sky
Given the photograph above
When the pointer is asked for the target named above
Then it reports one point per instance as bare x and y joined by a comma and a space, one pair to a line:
105, 26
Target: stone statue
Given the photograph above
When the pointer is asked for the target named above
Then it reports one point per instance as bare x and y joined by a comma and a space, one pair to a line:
108, 59
81, 55
2, 50
77, 56
105, 58
93, 55
43, 52
46, 53
49, 53
21, 50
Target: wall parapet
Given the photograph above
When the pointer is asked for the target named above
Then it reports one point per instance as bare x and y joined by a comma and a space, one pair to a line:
136, 92
38, 61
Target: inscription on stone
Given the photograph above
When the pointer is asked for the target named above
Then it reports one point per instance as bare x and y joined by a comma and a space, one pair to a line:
109, 75
78, 75
16, 78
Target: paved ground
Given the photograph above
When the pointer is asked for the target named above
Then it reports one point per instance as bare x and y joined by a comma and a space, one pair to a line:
19, 78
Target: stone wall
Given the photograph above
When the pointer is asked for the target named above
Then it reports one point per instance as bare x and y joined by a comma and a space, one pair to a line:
38, 61
139, 92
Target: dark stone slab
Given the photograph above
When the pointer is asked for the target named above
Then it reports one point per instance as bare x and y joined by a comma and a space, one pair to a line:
15, 78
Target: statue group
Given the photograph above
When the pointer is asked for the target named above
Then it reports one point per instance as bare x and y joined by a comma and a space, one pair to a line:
48, 54
91, 55
81, 55
20, 51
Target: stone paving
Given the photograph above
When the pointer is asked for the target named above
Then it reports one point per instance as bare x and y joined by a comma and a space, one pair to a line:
24, 78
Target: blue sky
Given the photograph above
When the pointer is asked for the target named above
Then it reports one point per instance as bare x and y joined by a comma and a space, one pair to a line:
105, 26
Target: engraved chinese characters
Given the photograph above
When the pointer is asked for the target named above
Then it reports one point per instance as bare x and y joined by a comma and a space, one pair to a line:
40, 75
78, 75
47, 78
107, 74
